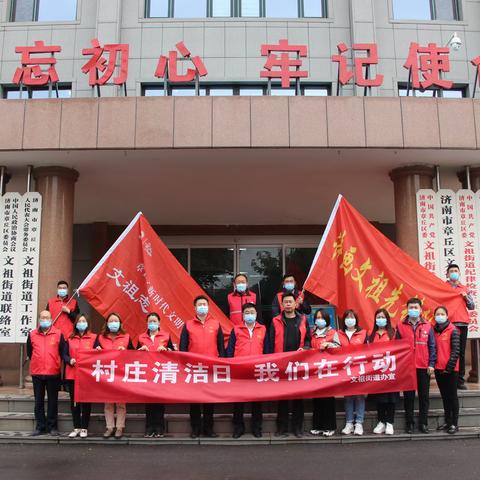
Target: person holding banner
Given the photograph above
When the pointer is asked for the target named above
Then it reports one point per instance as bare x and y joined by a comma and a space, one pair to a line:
324, 421
248, 339
240, 296
203, 335
290, 286
154, 340
289, 332
64, 310
420, 334
461, 322
384, 332
80, 339
46, 348
113, 337
352, 334
447, 367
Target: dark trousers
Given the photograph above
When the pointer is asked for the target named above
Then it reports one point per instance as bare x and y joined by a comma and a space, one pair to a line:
423, 388
386, 412
154, 418
447, 384
196, 417
257, 417
461, 358
283, 412
80, 411
49, 384
324, 414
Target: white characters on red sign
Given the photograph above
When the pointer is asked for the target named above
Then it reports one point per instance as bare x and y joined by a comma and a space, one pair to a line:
165, 372
265, 372
384, 363
294, 368
134, 371
326, 368
197, 373
360, 361
107, 370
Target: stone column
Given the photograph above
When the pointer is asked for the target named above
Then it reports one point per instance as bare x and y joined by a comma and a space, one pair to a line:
407, 181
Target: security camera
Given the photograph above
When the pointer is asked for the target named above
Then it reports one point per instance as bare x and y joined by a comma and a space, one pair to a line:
455, 42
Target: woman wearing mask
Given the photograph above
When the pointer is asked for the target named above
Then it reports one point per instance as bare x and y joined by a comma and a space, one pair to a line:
113, 337
154, 340
447, 337
80, 339
384, 332
351, 334
324, 420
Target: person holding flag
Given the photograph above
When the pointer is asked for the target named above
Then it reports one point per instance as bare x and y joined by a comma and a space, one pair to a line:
64, 310
240, 296
203, 335
289, 285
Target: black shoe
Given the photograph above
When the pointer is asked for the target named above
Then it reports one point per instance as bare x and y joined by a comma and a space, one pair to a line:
237, 433
38, 432
452, 429
281, 433
210, 434
298, 432
53, 432
423, 429
257, 433
409, 429
195, 433
462, 386
445, 426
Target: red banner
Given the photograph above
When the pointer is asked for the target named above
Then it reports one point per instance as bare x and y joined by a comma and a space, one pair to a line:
139, 275
177, 377
357, 267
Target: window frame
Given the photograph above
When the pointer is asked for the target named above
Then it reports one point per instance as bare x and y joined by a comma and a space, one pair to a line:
457, 11
437, 92
35, 11
8, 87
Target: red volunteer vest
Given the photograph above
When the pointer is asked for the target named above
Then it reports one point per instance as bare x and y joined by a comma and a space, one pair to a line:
45, 352
161, 339
280, 330
121, 340
455, 317
63, 323
236, 302
280, 295
381, 338
75, 344
245, 345
419, 341
327, 336
444, 347
358, 338
202, 338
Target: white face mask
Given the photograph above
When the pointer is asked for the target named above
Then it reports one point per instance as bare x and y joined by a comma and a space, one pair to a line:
350, 322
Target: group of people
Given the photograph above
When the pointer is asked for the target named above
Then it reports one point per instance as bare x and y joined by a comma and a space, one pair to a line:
439, 350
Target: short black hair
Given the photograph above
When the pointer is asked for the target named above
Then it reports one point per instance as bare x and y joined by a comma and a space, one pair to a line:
288, 294
288, 275
62, 282
325, 315
443, 308
414, 301
240, 275
248, 305
452, 265
153, 314
200, 297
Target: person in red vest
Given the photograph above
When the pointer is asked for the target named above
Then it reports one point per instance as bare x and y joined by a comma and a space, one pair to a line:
80, 339
420, 334
447, 367
46, 348
203, 334
154, 340
324, 421
289, 332
351, 333
250, 338
63, 315
384, 332
289, 285
461, 322
114, 337
240, 296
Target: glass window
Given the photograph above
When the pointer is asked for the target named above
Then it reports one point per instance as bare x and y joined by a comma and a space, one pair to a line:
446, 10
313, 8
220, 92
189, 9
250, 8
281, 8
221, 8
22, 10
251, 91
452, 93
157, 8
181, 254
44, 10
186, 92
212, 268
298, 261
315, 91
412, 10
14, 93
283, 92
153, 92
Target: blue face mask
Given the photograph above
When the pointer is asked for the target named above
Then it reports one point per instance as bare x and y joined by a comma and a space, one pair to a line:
152, 326
381, 322
114, 327
202, 309
241, 287
440, 319
82, 326
289, 286
45, 324
412, 313
454, 276
350, 322
320, 323
62, 292
250, 318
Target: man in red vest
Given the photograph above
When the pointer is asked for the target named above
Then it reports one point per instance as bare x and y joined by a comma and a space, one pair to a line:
289, 285
250, 338
453, 275
289, 332
203, 334
46, 348
240, 296
63, 315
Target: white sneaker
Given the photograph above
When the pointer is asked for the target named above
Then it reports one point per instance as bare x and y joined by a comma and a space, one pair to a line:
380, 428
358, 429
329, 433
348, 430
74, 433
83, 433
389, 429
316, 432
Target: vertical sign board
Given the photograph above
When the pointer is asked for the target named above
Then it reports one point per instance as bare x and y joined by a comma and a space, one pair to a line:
448, 235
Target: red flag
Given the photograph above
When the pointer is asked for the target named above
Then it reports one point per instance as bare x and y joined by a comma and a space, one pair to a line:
138, 275
358, 267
